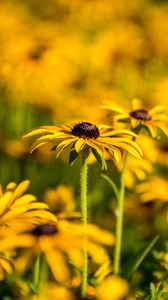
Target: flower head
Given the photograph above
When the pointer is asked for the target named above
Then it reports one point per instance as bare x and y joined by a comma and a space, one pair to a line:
152, 119
21, 211
83, 137
60, 242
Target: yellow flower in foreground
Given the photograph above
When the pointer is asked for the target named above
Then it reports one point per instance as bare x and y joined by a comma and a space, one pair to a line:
86, 136
112, 288
61, 243
18, 210
156, 188
152, 119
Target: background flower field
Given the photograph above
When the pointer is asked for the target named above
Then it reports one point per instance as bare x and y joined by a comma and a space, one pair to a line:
60, 61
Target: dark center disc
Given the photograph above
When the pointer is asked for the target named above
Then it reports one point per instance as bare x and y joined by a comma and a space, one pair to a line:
45, 229
141, 114
85, 130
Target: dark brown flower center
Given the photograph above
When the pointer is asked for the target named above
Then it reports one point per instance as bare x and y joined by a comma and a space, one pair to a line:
86, 130
141, 114
164, 147
48, 229
37, 53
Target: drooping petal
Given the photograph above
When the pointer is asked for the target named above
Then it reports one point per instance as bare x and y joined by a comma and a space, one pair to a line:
41, 130
118, 133
63, 145
80, 144
4, 201
24, 200
57, 265
21, 188
157, 109
6, 265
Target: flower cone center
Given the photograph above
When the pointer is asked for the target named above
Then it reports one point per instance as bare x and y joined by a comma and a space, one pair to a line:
86, 130
164, 147
141, 114
37, 53
47, 229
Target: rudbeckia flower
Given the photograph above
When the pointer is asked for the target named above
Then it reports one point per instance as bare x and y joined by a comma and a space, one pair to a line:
62, 240
61, 202
19, 210
86, 136
156, 188
152, 119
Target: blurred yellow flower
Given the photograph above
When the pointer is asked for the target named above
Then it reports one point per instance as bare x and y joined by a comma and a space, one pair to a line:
62, 240
19, 211
84, 136
136, 170
155, 188
60, 200
152, 119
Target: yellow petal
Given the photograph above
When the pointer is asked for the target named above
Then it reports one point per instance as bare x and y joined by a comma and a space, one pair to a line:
4, 201
25, 199
118, 133
18, 241
137, 104
135, 122
57, 264
79, 144
41, 130
152, 130
164, 128
96, 146
157, 109
63, 145
7, 265
21, 188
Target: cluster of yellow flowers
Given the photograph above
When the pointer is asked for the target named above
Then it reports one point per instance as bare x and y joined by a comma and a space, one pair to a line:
79, 61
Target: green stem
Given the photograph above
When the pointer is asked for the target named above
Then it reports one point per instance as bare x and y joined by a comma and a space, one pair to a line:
84, 222
37, 273
120, 213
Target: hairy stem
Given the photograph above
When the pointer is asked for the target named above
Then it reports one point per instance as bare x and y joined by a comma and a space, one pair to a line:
120, 213
84, 222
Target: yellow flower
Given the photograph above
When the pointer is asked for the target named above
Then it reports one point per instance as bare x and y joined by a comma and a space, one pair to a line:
152, 119
59, 241
19, 211
61, 201
136, 169
156, 188
112, 288
86, 136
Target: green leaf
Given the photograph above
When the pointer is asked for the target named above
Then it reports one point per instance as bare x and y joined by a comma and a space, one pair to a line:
73, 156
133, 264
99, 159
